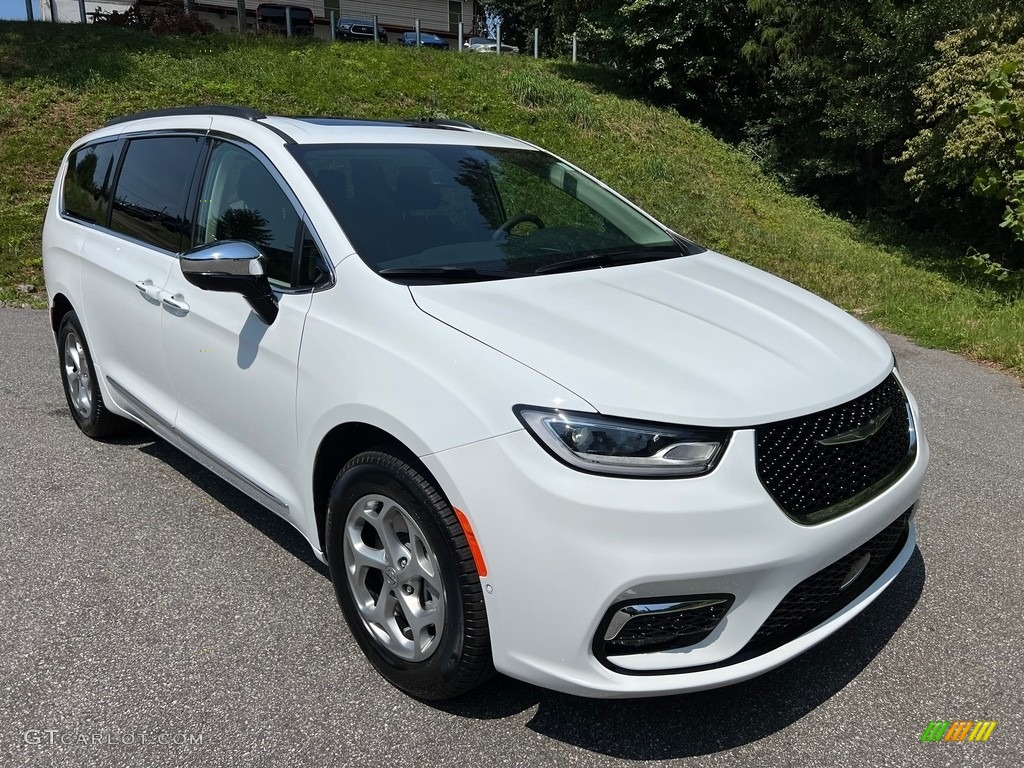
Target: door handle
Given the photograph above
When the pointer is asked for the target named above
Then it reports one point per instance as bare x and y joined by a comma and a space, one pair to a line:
175, 302
147, 289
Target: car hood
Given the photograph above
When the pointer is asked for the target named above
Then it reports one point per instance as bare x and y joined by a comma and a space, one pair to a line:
701, 340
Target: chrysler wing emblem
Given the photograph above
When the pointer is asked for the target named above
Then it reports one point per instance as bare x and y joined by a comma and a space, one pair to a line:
862, 432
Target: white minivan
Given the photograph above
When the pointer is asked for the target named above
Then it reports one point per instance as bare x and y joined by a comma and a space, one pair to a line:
529, 428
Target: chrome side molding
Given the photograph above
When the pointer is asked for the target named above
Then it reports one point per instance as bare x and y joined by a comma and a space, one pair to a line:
164, 429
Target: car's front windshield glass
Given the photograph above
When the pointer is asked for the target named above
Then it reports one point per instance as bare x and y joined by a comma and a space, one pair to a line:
481, 212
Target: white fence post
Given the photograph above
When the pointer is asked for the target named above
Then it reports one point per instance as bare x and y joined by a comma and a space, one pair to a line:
573, 47
498, 40
418, 43
81, 10
460, 33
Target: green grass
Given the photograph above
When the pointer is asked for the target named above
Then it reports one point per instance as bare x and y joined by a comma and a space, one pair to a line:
58, 82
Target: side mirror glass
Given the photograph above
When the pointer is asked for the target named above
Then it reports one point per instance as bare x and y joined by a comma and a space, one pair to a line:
232, 266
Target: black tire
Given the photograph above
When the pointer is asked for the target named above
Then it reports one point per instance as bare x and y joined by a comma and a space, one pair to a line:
458, 655
81, 382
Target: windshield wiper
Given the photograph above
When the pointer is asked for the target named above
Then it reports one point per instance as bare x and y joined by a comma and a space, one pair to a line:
633, 255
448, 274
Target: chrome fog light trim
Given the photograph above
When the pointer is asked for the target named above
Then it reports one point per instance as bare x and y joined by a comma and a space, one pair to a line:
628, 612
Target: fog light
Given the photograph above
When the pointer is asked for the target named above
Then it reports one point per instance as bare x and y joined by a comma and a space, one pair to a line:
662, 624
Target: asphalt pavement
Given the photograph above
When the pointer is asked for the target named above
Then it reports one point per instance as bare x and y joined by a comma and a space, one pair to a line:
150, 615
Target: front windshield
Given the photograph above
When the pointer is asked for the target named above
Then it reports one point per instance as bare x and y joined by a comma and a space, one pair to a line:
413, 209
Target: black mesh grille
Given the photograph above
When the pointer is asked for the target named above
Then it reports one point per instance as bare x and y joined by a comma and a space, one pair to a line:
659, 632
811, 481
816, 598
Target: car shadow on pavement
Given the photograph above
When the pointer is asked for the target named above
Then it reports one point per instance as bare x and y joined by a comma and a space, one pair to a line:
709, 721
236, 502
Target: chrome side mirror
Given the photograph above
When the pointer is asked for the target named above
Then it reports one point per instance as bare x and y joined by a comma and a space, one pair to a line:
232, 266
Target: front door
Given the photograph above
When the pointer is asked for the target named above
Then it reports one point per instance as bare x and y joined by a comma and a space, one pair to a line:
234, 375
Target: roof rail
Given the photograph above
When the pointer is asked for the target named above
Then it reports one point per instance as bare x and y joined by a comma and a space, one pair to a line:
210, 109
443, 122
411, 122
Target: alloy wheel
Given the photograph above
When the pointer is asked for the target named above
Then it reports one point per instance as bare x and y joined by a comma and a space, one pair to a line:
394, 576
78, 375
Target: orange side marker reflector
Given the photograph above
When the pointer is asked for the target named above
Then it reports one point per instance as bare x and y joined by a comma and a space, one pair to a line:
474, 546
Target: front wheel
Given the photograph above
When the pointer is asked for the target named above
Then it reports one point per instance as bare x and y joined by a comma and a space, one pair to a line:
405, 578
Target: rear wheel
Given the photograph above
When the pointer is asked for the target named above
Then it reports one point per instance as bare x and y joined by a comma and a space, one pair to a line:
405, 578
81, 386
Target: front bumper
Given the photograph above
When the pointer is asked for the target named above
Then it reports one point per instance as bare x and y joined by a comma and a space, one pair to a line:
562, 548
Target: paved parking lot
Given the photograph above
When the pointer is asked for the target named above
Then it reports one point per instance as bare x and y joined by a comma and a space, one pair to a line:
150, 615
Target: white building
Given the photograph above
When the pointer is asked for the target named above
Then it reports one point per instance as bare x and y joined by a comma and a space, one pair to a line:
71, 11
438, 16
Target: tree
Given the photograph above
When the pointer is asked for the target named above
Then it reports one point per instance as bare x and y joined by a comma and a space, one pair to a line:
685, 53
838, 81
1003, 178
970, 139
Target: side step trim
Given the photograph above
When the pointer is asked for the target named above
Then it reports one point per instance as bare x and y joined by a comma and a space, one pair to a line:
186, 445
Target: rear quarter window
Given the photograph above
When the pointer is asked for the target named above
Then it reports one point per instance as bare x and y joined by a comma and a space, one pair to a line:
86, 193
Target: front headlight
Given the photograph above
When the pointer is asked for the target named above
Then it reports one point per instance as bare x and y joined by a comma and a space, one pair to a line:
610, 446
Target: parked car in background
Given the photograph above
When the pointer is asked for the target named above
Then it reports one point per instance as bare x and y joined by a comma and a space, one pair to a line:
273, 17
427, 40
488, 45
359, 30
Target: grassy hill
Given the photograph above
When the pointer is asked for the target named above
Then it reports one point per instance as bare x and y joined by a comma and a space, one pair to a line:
58, 82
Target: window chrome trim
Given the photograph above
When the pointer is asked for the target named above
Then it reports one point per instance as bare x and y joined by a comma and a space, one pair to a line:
122, 236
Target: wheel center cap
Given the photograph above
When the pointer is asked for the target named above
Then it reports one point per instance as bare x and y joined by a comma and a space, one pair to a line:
391, 574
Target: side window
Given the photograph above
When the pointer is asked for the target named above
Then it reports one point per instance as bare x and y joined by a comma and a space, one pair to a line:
152, 189
87, 182
240, 200
454, 16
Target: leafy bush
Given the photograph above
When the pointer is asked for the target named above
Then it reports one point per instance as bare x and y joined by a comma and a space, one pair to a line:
946, 153
970, 141
1003, 182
